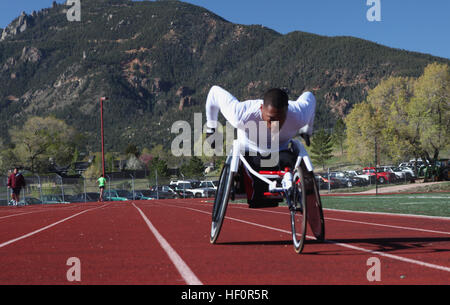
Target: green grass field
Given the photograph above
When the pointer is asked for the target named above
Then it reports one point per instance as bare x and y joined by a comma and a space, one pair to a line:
434, 204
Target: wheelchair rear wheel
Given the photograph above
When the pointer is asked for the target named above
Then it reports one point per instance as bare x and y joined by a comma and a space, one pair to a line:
314, 207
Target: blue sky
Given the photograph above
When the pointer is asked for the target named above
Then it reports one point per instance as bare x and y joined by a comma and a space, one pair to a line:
414, 25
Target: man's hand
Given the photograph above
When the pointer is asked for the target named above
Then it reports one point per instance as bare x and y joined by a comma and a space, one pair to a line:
305, 137
210, 132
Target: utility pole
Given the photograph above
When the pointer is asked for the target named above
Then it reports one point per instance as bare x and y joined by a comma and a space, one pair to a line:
103, 143
376, 169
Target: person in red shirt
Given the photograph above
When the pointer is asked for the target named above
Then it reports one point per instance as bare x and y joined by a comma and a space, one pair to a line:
15, 182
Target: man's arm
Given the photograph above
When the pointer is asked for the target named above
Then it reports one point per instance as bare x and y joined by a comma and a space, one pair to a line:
305, 108
229, 106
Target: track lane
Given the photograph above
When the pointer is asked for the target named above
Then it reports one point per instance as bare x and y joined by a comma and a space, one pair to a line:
366, 238
22, 223
116, 246
113, 245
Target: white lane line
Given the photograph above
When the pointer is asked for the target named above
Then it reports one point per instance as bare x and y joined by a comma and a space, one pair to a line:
45, 208
391, 214
26, 213
368, 223
358, 222
388, 226
46, 227
395, 257
32, 212
184, 270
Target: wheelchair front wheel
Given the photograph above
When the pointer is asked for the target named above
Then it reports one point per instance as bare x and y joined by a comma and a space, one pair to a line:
298, 211
221, 201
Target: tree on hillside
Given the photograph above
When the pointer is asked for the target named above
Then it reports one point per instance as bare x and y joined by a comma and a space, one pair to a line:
408, 117
361, 133
321, 147
339, 134
41, 140
194, 168
159, 166
429, 110
132, 149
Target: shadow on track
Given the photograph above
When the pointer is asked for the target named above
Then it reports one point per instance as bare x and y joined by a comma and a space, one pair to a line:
265, 243
388, 244
420, 244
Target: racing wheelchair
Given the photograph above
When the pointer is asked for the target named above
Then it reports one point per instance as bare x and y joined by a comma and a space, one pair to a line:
297, 186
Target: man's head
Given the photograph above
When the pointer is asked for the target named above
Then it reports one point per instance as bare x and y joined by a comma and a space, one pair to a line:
275, 107
15, 170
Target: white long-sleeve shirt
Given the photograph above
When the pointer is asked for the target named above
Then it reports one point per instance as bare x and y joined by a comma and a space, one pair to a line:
242, 115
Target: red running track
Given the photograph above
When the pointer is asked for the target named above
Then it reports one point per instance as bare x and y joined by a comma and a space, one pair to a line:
163, 242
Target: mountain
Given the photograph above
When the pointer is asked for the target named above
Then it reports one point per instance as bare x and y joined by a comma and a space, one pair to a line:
157, 60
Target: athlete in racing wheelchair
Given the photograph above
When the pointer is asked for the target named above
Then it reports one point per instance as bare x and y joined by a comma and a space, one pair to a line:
270, 173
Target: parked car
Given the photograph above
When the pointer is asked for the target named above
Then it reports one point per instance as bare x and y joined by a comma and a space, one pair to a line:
69, 198
399, 175
30, 201
53, 199
408, 170
182, 184
164, 192
407, 174
205, 189
86, 197
347, 180
113, 195
382, 176
325, 183
369, 179
182, 192
145, 194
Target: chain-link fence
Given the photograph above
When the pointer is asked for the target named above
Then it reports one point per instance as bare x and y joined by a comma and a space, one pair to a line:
55, 189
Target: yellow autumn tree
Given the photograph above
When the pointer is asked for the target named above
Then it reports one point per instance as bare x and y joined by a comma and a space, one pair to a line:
429, 110
40, 140
408, 117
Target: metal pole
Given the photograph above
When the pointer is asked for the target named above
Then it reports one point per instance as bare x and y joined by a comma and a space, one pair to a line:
376, 168
40, 189
132, 184
84, 188
103, 142
156, 181
329, 181
62, 188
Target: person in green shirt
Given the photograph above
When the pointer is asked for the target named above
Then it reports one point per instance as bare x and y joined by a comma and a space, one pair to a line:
101, 184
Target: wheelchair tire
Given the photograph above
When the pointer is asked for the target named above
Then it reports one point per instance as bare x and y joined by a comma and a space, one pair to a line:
299, 211
221, 201
314, 207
